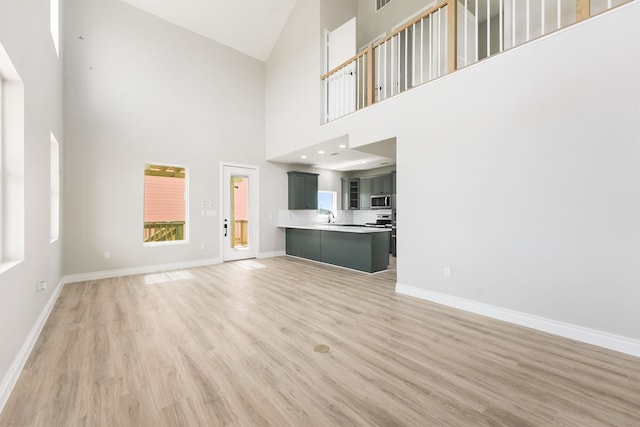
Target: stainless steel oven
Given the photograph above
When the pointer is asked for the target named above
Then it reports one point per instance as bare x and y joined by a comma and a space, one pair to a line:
386, 221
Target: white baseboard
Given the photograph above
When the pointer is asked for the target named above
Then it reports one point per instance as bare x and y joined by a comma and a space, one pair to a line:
108, 274
11, 377
579, 333
271, 254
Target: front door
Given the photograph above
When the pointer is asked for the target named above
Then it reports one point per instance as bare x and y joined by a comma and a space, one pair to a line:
240, 215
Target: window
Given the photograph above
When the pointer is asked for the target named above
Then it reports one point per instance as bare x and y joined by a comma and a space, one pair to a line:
327, 203
2, 119
165, 203
55, 24
11, 163
381, 3
55, 188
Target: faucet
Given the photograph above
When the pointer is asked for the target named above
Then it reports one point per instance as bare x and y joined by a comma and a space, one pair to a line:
329, 215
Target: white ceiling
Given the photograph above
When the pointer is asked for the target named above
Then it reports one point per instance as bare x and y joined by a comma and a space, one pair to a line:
250, 26
336, 155
253, 27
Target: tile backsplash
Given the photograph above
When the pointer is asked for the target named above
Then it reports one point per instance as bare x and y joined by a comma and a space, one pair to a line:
367, 215
300, 217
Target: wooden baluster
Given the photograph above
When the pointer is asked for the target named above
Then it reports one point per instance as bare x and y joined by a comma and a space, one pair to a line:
583, 10
452, 41
370, 74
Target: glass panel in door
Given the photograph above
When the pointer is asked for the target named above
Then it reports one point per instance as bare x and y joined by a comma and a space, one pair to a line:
239, 212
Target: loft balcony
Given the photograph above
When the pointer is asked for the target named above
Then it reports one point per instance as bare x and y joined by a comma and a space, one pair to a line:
448, 36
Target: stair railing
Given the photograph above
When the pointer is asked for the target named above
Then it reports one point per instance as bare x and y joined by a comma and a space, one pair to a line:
448, 36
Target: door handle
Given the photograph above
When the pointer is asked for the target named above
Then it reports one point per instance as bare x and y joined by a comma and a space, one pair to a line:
226, 226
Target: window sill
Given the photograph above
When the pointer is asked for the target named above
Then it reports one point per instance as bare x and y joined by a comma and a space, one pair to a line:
6, 266
165, 243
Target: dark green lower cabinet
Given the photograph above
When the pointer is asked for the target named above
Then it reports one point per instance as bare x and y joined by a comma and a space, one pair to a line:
360, 251
303, 243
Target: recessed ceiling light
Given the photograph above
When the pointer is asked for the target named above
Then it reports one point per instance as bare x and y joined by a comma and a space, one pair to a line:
321, 152
303, 157
342, 146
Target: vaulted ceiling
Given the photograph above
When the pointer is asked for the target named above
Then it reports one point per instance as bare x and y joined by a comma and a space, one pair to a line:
249, 26
253, 27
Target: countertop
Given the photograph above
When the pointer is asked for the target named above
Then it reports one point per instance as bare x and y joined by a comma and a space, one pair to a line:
337, 227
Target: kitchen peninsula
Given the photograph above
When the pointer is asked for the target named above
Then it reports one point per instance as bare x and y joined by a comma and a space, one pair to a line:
356, 247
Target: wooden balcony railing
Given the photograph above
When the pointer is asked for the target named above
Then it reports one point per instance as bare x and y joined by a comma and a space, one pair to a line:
240, 232
448, 36
163, 231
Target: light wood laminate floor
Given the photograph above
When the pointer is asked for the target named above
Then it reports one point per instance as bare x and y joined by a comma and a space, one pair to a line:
234, 345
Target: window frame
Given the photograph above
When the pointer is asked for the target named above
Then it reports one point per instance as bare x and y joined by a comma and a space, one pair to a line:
185, 235
54, 177
54, 24
334, 202
12, 165
2, 126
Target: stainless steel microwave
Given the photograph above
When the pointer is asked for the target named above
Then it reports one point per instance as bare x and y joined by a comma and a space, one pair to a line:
381, 201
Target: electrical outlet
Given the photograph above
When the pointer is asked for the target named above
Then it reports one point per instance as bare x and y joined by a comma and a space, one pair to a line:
41, 286
107, 255
202, 247
447, 272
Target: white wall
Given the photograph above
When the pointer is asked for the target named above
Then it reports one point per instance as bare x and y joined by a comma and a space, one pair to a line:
25, 35
371, 23
140, 89
293, 87
372, 172
522, 174
334, 13
294, 91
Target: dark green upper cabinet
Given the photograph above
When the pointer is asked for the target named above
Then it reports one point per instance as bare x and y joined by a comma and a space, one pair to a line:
354, 193
303, 190
344, 196
350, 193
365, 193
357, 192
381, 184
393, 182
